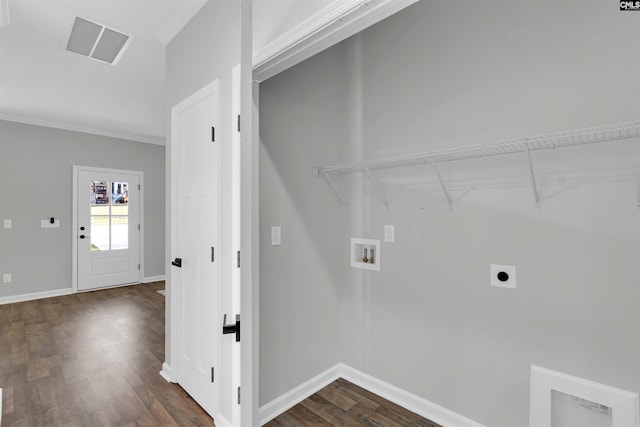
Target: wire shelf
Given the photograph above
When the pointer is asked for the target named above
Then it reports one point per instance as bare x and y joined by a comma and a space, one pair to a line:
548, 141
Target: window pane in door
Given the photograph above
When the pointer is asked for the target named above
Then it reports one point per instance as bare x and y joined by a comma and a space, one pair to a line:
99, 233
119, 232
99, 193
99, 210
119, 193
119, 210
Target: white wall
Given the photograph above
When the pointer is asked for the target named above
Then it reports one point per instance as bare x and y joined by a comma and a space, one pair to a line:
35, 183
443, 74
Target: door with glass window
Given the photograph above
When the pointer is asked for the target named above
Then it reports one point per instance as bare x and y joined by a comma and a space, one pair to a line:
107, 228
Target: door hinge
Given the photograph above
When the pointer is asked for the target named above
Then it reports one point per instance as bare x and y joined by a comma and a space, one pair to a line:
213, 134
138, 266
138, 226
212, 374
238, 395
213, 254
238, 259
138, 186
238, 122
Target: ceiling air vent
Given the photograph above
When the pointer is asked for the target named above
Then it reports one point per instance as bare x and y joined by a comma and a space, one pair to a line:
97, 41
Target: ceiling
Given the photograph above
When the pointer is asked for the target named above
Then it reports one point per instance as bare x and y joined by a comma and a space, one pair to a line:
42, 83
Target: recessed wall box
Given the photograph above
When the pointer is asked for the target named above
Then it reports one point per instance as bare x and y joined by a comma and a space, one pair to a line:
365, 254
559, 399
503, 276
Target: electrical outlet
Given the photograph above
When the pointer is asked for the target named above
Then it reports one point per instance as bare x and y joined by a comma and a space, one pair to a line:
389, 233
7, 223
6, 278
503, 276
276, 236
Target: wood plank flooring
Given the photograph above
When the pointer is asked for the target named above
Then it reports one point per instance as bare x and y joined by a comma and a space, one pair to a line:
90, 359
343, 404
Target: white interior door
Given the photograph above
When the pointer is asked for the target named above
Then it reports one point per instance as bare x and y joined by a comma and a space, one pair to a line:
107, 227
195, 247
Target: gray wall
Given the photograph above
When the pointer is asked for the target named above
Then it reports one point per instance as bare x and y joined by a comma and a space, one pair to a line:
36, 183
443, 74
305, 289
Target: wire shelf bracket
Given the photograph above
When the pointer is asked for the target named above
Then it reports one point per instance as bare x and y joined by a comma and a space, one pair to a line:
536, 194
333, 186
444, 187
377, 187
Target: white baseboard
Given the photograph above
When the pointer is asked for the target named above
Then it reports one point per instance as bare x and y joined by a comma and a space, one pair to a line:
153, 279
221, 421
407, 400
166, 373
60, 292
291, 398
35, 295
410, 401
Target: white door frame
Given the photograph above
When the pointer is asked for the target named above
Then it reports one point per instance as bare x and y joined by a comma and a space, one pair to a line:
249, 227
74, 219
236, 231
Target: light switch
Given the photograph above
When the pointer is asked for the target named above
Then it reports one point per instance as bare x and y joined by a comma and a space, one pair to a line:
389, 233
276, 236
7, 223
6, 278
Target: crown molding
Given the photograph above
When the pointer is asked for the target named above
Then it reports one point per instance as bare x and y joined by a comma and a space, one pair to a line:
333, 24
55, 124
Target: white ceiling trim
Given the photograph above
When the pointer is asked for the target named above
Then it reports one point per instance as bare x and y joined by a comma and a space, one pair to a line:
338, 21
84, 129
172, 29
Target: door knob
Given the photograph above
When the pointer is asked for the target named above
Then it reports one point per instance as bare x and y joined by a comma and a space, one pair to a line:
233, 328
177, 262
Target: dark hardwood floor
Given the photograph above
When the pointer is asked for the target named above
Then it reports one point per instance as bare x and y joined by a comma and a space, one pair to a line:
90, 359
343, 404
